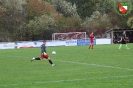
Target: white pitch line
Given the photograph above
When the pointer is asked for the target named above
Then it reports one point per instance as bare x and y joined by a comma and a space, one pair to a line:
72, 80
112, 67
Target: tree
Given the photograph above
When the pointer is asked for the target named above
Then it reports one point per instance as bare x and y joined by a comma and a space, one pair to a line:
39, 7
66, 23
66, 8
117, 21
10, 22
130, 22
96, 22
85, 8
35, 8
12, 17
14, 5
40, 25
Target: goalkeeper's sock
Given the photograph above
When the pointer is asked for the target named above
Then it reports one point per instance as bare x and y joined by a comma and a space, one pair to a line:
50, 62
120, 46
126, 46
37, 58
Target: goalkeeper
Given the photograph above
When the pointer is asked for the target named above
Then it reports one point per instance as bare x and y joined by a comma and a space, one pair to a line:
123, 40
43, 54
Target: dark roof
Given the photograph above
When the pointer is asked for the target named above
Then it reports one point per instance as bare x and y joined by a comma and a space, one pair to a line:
119, 30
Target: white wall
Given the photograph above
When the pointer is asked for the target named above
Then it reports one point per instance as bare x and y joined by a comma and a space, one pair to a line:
103, 41
55, 43
7, 45
32, 44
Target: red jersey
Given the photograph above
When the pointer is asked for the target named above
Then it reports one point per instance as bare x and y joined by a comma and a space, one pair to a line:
91, 36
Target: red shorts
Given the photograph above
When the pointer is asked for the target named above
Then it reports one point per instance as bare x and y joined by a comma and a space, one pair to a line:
44, 56
91, 41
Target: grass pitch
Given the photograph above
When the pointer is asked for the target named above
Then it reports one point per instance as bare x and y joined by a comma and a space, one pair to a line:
77, 67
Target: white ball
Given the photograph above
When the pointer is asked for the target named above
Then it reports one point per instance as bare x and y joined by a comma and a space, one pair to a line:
53, 52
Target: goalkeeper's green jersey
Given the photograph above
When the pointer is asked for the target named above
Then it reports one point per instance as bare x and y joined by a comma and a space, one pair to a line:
124, 37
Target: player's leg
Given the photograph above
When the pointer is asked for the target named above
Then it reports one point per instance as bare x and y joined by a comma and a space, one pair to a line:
50, 61
120, 46
126, 45
37, 58
90, 45
122, 42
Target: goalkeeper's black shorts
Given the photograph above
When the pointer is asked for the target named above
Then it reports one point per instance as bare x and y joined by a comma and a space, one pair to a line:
123, 42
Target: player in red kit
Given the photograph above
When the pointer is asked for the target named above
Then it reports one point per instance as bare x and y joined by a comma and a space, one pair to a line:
91, 41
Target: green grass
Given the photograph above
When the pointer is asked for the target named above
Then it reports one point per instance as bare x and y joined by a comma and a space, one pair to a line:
77, 67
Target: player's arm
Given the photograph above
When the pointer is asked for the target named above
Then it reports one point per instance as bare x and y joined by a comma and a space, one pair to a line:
121, 39
93, 36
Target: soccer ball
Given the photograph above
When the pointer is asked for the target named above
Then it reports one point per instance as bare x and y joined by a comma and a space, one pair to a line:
53, 52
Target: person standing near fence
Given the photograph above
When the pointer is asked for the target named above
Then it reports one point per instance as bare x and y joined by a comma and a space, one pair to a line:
91, 41
123, 40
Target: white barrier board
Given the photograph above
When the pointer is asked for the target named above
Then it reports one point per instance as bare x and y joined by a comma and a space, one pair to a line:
32, 44
25, 45
55, 43
38, 44
103, 41
71, 42
7, 45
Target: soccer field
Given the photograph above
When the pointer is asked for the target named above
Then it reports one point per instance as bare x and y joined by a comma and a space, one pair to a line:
77, 67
